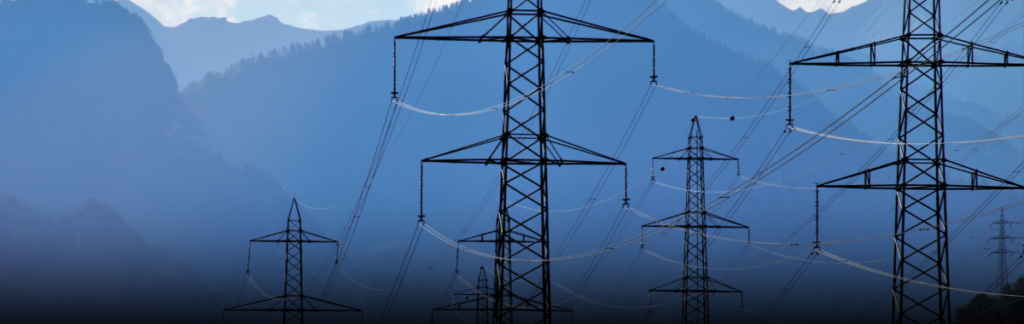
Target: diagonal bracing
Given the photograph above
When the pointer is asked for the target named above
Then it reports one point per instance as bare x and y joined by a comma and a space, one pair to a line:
524, 149
293, 304
695, 283
922, 172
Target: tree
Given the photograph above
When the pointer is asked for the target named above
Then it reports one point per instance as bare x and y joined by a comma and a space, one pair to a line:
985, 309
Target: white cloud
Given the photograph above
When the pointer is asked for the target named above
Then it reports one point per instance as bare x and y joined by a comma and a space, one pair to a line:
423, 5
308, 20
175, 12
312, 14
829, 6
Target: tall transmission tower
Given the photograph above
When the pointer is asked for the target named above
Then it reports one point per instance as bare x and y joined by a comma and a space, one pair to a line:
1002, 253
695, 284
922, 172
524, 149
293, 304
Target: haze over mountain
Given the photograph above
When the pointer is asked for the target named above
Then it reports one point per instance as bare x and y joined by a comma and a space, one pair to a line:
92, 113
203, 45
74, 267
314, 101
91, 110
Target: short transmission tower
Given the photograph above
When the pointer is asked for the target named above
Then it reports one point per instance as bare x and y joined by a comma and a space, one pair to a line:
293, 304
1002, 253
524, 149
476, 300
695, 284
922, 172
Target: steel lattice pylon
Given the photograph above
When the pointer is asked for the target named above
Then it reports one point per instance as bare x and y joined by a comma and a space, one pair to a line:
524, 149
294, 303
477, 300
695, 283
1001, 253
921, 167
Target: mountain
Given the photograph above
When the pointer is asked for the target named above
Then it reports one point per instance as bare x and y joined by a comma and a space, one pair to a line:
91, 110
762, 29
310, 114
864, 23
203, 45
997, 90
87, 265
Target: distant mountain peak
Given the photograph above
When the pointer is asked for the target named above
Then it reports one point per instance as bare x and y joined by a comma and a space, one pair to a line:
203, 21
268, 18
268, 21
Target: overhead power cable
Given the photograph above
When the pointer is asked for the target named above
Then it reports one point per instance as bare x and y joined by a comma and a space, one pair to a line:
584, 298
883, 273
260, 290
649, 217
775, 184
403, 270
579, 65
742, 117
787, 288
605, 249
327, 208
588, 205
648, 251
898, 143
852, 84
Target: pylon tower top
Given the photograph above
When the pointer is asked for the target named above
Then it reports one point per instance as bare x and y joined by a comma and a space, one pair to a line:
921, 172
293, 303
695, 221
523, 149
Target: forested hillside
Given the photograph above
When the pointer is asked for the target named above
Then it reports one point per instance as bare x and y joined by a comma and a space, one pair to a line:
91, 110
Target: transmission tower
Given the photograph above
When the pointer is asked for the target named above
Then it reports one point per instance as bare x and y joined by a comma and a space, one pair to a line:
524, 149
922, 172
1002, 252
695, 284
476, 299
293, 304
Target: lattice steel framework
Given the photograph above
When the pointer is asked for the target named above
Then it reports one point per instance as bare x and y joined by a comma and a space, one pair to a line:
293, 304
695, 284
1001, 253
921, 167
524, 149
476, 300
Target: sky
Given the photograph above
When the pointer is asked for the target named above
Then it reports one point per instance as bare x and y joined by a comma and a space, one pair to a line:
826, 5
341, 14
309, 14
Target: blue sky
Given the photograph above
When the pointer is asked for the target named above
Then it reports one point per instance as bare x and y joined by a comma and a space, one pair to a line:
341, 14
311, 14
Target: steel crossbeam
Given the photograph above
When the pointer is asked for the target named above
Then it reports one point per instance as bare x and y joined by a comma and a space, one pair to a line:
524, 149
921, 170
293, 304
695, 283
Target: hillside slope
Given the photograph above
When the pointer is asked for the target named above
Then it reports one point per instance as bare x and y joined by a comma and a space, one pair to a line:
88, 265
90, 110
203, 45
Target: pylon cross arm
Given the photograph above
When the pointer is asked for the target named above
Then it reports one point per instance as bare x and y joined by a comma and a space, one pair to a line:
554, 145
951, 169
553, 20
976, 55
696, 153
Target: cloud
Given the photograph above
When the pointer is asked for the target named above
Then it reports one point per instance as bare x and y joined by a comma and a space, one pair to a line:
308, 20
423, 5
175, 12
830, 6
